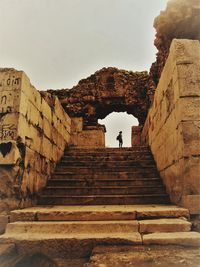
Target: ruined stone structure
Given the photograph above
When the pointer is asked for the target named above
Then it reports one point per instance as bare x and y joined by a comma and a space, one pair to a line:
52, 152
180, 20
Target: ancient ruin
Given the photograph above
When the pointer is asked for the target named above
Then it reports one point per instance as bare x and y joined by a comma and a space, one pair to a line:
64, 194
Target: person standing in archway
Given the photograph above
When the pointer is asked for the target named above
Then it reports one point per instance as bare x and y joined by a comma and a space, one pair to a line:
119, 138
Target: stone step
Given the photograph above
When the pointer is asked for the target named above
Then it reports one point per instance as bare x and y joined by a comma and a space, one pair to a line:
106, 190
108, 164
107, 175
138, 156
175, 238
108, 150
164, 225
64, 181
98, 213
70, 245
78, 227
119, 226
103, 199
76, 169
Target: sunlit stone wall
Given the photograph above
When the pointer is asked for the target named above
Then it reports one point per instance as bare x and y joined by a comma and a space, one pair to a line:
172, 128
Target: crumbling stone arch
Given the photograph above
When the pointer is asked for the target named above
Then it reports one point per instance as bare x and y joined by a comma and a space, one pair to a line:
106, 91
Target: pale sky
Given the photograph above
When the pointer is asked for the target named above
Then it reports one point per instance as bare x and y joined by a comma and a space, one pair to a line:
59, 42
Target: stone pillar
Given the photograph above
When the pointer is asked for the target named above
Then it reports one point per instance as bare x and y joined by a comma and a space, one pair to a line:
136, 135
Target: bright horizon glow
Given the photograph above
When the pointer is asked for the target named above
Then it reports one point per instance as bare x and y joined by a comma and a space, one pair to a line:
116, 122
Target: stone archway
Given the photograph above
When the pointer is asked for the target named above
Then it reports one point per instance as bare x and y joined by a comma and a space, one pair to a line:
106, 91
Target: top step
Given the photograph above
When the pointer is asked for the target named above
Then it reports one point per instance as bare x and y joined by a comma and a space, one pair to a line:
107, 150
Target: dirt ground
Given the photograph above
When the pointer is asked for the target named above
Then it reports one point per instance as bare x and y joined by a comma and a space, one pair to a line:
144, 256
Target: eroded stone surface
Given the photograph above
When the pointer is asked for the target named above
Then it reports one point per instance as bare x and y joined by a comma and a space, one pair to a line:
107, 90
180, 20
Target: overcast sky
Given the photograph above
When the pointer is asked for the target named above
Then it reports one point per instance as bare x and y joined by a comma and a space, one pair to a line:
59, 42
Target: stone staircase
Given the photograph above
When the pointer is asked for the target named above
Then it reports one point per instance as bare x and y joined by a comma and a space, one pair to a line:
100, 197
105, 176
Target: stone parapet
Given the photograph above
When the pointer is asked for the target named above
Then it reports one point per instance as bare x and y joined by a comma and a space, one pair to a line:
172, 125
33, 136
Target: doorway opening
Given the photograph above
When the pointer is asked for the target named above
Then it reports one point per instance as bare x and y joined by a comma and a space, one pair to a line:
116, 122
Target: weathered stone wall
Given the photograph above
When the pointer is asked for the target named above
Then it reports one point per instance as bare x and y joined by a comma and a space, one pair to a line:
34, 131
86, 136
172, 128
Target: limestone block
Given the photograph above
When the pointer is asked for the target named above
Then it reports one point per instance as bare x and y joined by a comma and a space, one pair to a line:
46, 148
188, 108
192, 202
185, 51
47, 128
46, 110
8, 126
29, 180
9, 152
33, 114
41, 181
189, 79
76, 125
191, 135
191, 175
10, 80
174, 180
60, 142
9, 101
90, 138
24, 103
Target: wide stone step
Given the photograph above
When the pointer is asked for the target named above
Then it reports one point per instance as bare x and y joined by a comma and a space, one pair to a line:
108, 164
135, 156
70, 245
64, 181
118, 226
107, 175
98, 213
64, 227
108, 190
103, 199
80, 169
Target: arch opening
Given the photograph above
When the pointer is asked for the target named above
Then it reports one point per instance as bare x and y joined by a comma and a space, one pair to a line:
116, 122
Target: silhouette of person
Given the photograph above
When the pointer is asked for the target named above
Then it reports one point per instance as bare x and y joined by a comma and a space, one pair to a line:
119, 138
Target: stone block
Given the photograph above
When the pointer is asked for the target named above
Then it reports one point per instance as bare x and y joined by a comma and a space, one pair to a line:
188, 108
164, 225
192, 202
9, 101
8, 126
46, 148
47, 128
185, 51
9, 152
76, 125
189, 79
46, 110
191, 176
191, 135
10, 80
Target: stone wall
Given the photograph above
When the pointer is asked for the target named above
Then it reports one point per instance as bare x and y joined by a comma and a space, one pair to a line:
172, 128
34, 131
86, 136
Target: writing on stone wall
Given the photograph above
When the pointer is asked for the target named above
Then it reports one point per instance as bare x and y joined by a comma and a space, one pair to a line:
7, 131
6, 102
10, 81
